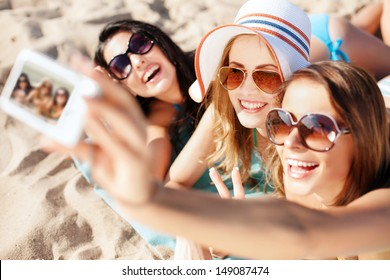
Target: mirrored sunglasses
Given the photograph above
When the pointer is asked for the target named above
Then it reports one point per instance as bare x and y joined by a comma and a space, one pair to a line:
119, 66
318, 132
232, 77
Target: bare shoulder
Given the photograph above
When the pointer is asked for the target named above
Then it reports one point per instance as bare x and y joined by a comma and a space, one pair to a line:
207, 119
375, 199
161, 113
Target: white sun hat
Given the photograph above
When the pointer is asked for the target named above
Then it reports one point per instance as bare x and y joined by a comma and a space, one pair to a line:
284, 27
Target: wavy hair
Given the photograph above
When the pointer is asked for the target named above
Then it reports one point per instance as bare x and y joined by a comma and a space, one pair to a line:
358, 101
233, 142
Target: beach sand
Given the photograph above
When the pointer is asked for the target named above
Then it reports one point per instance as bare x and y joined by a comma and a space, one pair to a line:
48, 210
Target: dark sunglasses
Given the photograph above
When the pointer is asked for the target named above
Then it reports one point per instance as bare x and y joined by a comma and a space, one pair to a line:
232, 77
120, 65
318, 132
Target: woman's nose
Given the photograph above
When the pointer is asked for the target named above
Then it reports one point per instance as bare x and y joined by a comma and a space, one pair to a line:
294, 139
137, 60
248, 85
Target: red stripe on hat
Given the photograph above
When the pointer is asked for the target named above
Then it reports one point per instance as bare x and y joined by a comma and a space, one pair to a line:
283, 38
281, 20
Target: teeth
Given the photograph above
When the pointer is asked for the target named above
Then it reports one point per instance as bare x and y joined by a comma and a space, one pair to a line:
149, 73
298, 163
252, 105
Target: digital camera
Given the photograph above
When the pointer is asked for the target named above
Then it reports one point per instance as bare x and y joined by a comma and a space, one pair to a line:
48, 96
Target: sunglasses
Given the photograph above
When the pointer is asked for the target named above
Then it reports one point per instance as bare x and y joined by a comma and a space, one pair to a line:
231, 78
318, 132
120, 65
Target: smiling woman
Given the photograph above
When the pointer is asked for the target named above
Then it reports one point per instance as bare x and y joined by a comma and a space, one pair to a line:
154, 69
327, 158
268, 228
321, 159
239, 66
318, 147
253, 96
149, 65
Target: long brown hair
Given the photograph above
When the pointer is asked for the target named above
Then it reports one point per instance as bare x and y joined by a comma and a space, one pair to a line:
358, 101
188, 111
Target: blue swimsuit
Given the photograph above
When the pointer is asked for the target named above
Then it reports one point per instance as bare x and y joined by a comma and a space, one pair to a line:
320, 29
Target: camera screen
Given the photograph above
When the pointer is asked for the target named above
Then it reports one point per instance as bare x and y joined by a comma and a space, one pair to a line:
42, 93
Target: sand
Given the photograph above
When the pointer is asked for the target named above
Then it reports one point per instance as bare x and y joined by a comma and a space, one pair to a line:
48, 211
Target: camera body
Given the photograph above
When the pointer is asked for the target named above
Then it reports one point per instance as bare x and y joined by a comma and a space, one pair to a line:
48, 96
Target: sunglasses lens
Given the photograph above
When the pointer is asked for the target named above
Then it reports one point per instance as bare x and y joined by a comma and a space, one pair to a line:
267, 81
120, 66
278, 126
230, 78
319, 132
140, 44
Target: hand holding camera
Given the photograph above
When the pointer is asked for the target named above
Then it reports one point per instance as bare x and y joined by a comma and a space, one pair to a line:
48, 96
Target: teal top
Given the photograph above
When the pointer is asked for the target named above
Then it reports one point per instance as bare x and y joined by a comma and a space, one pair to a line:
257, 173
204, 183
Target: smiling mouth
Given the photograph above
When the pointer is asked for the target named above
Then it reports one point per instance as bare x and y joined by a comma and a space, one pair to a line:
151, 73
251, 105
301, 167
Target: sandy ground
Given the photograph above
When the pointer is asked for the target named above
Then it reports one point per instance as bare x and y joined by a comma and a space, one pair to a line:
48, 211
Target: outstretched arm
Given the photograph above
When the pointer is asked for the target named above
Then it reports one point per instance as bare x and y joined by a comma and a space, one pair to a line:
269, 228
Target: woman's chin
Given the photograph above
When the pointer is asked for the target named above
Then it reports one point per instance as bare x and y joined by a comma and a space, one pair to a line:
251, 124
297, 189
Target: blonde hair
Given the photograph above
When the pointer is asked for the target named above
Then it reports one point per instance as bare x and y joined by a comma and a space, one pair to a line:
233, 142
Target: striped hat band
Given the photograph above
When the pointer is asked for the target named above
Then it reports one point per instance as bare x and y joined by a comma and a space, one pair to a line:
283, 26
276, 26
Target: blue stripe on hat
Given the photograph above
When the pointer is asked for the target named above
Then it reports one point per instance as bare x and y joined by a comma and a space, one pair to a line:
292, 34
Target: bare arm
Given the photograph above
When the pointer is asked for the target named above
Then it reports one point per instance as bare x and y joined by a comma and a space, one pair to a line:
160, 150
363, 226
190, 163
270, 228
385, 24
261, 229
368, 18
32, 95
158, 140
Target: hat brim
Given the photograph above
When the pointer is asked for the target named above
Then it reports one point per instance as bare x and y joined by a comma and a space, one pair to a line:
210, 50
